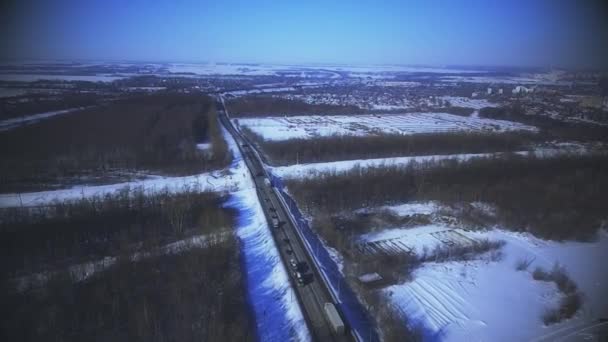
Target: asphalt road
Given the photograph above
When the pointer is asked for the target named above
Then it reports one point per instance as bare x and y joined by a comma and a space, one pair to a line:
314, 294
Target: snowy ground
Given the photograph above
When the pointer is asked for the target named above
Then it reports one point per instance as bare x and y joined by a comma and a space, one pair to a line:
210, 181
283, 128
313, 170
466, 102
277, 314
8, 124
489, 300
53, 77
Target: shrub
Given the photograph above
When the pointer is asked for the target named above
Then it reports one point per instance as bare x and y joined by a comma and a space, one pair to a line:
256, 105
523, 264
567, 308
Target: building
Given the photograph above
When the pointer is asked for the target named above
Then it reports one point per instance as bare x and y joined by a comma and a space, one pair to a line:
521, 90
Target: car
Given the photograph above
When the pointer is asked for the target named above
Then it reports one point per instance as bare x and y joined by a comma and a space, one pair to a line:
288, 251
299, 278
286, 240
293, 263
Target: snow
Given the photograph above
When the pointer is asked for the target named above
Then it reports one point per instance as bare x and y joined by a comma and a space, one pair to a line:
57, 77
8, 124
312, 170
277, 312
507, 80
230, 179
414, 208
216, 181
414, 239
283, 128
238, 93
488, 300
204, 146
457, 101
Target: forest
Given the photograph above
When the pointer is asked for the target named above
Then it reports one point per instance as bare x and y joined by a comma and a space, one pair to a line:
135, 287
558, 198
346, 147
146, 133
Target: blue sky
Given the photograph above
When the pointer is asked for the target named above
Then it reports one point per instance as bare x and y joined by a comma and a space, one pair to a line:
464, 32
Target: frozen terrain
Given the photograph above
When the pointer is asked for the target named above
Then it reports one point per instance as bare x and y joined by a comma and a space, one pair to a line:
58, 77
313, 170
283, 128
210, 181
277, 314
488, 299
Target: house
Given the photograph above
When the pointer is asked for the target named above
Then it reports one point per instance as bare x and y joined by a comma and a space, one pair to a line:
522, 90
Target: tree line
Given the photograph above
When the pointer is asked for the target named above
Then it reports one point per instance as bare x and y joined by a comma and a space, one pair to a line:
153, 133
347, 147
555, 198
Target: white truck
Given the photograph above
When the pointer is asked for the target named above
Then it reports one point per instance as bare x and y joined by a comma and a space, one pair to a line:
334, 319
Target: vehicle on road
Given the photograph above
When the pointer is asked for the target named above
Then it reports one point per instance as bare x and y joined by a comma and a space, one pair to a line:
334, 318
299, 278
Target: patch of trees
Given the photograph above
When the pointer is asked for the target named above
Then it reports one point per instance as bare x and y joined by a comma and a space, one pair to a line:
550, 128
264, 105
346, 147
35, 104
555, 198
196, 295
156, 133
572, 299
462, 111
36, 239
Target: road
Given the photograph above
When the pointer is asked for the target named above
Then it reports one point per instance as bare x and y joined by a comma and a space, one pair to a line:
314, 294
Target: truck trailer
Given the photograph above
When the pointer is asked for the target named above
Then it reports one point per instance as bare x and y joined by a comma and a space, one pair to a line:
334, 318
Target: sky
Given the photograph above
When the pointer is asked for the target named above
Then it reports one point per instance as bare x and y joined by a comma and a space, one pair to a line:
452, 32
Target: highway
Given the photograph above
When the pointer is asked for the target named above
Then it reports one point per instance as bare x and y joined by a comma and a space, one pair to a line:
314, 293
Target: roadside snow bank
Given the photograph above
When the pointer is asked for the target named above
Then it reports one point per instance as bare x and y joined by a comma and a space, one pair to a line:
277, 313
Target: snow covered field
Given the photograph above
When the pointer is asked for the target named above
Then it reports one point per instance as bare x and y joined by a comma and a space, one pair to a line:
53, 77
210, 181
458, 101
488, 299
277, 314
283, 128
313, 170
